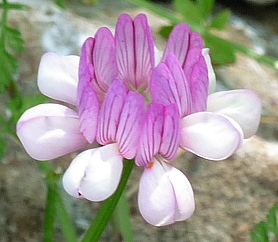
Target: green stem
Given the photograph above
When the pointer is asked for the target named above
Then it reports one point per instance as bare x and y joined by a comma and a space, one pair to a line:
103, 216
121, 220
49, 218
65, 220
55, 206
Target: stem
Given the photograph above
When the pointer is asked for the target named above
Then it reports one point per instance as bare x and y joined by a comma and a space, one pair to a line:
55, 207
103, 216
49, 218
121, 220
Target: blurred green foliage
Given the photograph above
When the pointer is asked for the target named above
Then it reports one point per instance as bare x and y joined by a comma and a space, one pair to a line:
267, 231
11, 44
201, 16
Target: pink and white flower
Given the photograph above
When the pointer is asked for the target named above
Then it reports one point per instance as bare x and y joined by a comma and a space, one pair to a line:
134, 109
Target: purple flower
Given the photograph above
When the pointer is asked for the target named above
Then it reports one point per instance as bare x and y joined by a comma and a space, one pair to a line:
134, 109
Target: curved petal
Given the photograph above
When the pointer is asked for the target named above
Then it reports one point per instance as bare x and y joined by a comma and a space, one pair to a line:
243, 106
130, 124
94, 174
110, 113
160, 134
87, 100
196, 72
121, 118
209, 135
211, 74
48, 131
178, 43
169, 85
104, 59
135, 50
165, 195
58, 77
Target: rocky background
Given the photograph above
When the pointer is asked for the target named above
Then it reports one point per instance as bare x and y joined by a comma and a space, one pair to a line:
231, 196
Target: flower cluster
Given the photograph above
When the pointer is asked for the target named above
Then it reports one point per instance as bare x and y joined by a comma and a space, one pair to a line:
136, 105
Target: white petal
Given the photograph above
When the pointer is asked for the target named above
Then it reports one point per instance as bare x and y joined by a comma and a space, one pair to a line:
165, 195
244, 106
95, 173
212, 78
210, 135
48, 131
58, 77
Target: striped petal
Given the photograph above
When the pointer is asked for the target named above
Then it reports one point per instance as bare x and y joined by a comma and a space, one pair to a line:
104, 59
196, 71
48, 131
87, 103
160, 134
94, 174
56, 74
121, 118
169, 85
135, 50
243, 106
178, 43
165, 195
210, 135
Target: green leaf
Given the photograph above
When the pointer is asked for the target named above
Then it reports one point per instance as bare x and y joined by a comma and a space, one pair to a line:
221, 19
14, 40
206, 7
2, 147
272, 220
165, 31
8, 67
221, 51
260, 234
189, 10
14, 6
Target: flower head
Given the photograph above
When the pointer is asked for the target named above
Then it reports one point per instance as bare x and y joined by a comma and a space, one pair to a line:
108, 86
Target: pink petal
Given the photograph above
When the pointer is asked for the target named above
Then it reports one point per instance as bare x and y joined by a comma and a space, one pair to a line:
121, 118
94, 174
170, 133
196, 72
243, 106
195, 40
135, 50
178, 43
169, 85
104, 59
58, 73
110, 113
88, 105
48, 131
160, 134
130, 124
209, 135
165, 195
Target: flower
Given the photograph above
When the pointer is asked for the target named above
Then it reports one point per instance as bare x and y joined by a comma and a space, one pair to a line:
135, 109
